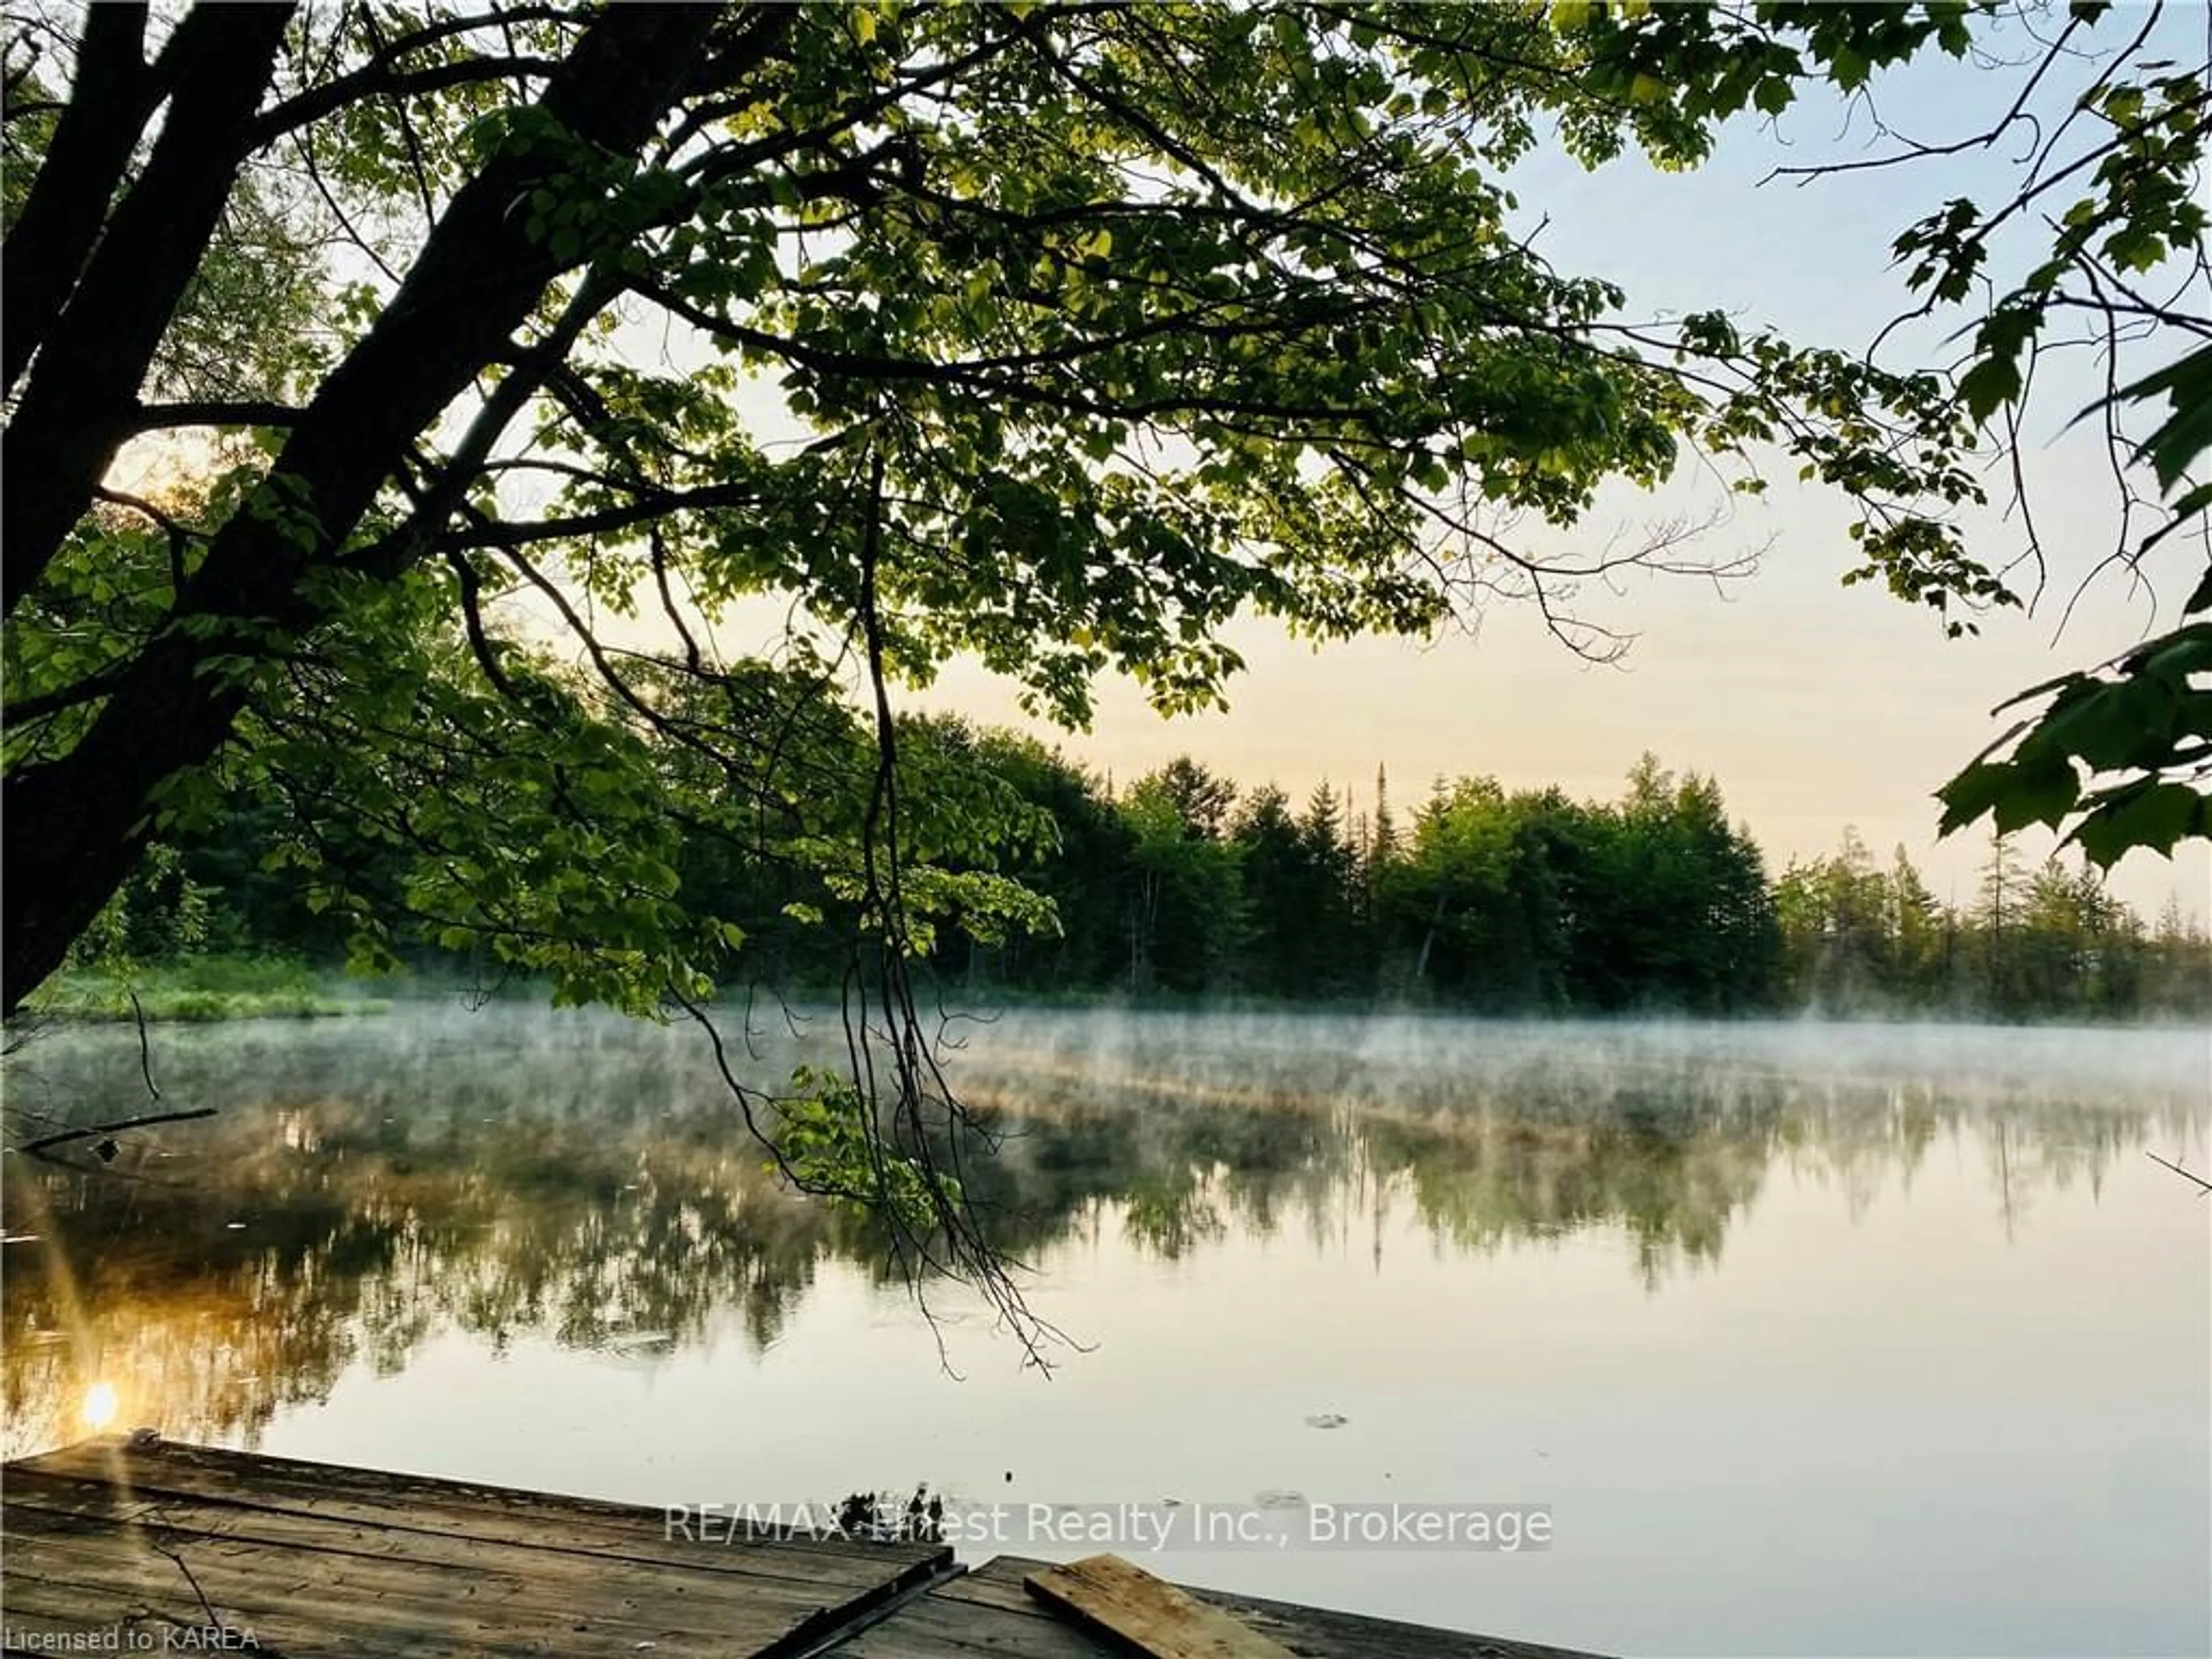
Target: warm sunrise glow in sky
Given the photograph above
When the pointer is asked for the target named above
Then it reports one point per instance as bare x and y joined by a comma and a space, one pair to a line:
1815, 706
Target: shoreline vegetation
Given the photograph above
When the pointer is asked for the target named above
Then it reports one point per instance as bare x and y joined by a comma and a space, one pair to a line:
204, 991
1183, 890
195, 990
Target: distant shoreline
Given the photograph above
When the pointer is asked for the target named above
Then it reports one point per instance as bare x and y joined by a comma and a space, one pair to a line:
221, 990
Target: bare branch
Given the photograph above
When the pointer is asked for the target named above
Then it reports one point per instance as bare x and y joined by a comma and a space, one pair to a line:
65, 1137
2203, 1187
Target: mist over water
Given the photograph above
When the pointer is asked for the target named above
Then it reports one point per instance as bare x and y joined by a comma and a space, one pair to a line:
1815, 1339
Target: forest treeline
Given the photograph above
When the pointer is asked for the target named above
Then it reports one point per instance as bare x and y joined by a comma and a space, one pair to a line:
1476, 897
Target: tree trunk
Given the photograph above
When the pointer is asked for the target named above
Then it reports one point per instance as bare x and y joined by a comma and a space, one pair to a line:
1429, 938
77, 406
111, 99
76, 825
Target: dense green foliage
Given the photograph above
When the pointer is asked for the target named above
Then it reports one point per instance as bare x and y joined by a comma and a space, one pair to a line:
2035, 941
1179, 886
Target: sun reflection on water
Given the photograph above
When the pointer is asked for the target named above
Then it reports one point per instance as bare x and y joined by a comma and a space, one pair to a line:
100, 1404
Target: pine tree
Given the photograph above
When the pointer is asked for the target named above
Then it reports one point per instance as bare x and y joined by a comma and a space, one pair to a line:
1386, 832
1997, 917
1915, 935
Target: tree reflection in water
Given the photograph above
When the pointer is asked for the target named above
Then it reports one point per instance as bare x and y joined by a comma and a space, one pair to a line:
369, 1185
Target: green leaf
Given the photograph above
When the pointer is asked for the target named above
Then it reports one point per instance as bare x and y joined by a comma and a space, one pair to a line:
1988, 384
2187, 433
2113, 726
2174, 448
2038, 786
2148, 814
1972, 794
2172, 657
2201, 599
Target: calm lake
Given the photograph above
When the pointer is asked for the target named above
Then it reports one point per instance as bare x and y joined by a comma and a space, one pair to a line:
1815, 1340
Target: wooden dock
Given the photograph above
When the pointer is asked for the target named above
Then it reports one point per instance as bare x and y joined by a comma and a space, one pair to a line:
167, 1547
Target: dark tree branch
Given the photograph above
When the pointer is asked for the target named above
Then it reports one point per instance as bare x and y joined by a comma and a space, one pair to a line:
77, 401
448, 493
2203, 1187
1913, 151
113, 96
155, 417
180, 535
65, 1137
385, 82
995, 375
145, 1049
646, 509
22, 711
480, 644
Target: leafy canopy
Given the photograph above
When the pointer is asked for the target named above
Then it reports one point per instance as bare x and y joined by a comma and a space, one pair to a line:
1055, 335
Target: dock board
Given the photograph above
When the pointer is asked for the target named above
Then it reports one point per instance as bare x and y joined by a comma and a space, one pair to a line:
990, 1610
1122, 1602
319, 1559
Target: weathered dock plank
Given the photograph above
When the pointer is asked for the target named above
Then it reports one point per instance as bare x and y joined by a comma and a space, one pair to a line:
932, 1627
429, 1503
238, 1554
991, 1610
317, 1558
1145, 1611
320, 1558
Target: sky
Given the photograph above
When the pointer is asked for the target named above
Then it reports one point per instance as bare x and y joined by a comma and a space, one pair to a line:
1815, 707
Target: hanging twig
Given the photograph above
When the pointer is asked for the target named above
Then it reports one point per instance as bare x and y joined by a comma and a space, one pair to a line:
145, 1051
